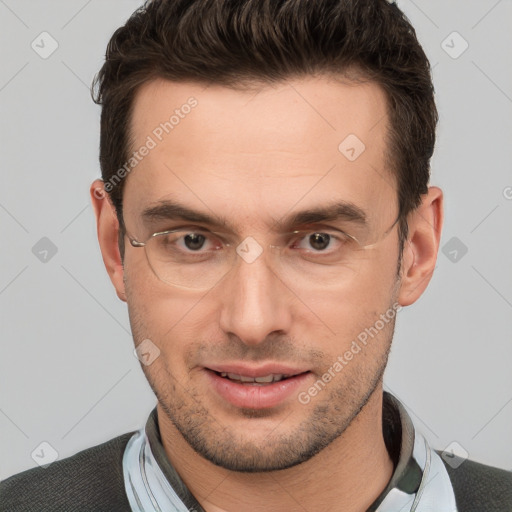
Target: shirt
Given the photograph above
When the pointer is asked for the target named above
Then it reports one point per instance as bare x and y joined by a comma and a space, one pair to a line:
420, 482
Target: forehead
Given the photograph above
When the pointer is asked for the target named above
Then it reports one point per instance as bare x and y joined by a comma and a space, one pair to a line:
257, 154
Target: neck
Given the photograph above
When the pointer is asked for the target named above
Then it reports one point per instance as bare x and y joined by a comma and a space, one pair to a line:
348, 475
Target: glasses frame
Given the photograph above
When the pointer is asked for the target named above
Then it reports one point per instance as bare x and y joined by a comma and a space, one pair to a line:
137, 244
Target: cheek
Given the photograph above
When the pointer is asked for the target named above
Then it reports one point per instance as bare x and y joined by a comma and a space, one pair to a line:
153, 306
175, 320
358, 305
380, 273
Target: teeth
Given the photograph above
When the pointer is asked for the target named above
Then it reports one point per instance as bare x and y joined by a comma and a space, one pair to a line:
266, 379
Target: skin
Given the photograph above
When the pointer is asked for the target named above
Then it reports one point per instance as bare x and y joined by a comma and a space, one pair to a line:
255, 156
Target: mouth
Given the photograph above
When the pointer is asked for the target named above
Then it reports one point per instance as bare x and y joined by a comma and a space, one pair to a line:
256, 388
260, 381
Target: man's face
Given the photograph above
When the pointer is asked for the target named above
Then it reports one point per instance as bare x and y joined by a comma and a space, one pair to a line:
255, 159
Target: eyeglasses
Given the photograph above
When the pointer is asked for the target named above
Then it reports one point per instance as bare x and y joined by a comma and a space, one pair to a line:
197, 258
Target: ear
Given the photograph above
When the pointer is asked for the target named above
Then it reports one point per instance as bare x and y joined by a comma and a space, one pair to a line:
107, 225
420, 249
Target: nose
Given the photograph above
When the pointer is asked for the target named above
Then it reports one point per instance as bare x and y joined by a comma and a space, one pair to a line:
255, 302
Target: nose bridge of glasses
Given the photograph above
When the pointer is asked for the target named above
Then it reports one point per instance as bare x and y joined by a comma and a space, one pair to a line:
248, 261
251, 249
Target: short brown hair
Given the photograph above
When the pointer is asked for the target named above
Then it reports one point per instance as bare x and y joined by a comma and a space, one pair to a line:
237, 42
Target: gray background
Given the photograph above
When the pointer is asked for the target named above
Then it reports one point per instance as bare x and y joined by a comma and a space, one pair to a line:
68, 375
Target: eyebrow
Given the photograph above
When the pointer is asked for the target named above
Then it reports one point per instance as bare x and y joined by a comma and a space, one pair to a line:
337, 211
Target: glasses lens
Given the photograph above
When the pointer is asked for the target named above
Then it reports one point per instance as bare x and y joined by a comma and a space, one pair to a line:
191, 259
313, 259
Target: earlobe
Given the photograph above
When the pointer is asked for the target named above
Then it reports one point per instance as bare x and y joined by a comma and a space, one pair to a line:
107, 225
421, 247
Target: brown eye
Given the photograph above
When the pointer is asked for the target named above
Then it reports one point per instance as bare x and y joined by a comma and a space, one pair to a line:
319, 241
194, 241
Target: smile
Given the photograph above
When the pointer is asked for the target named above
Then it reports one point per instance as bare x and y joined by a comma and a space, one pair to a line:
266, 379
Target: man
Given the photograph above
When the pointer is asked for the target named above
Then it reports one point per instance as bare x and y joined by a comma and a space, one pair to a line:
265, 212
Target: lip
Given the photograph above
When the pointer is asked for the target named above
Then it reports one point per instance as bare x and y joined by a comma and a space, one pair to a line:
255, 396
